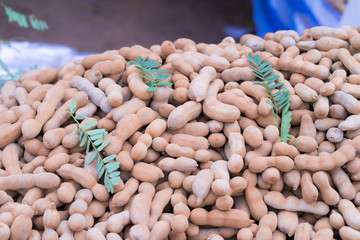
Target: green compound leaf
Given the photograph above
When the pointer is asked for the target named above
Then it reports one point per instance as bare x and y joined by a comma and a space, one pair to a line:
151, 73
95, 138
280, 100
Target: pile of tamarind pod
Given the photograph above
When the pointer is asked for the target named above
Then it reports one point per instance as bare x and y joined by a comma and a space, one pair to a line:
201, 159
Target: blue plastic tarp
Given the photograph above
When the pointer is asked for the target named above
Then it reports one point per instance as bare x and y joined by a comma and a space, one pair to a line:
274, 15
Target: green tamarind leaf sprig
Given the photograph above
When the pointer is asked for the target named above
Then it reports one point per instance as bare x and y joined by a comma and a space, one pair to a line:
23, 20
95, 139
152, 73
278, 94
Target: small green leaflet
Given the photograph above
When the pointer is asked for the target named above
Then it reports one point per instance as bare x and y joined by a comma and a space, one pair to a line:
101, 171
80, 133
97, 136
83, 141
92, 157
81, 117
73, 107
151, 89
96, 131
103, 145
114, 174
109, 158
90, 125
164, 84
88, 147
276, 85
98, 142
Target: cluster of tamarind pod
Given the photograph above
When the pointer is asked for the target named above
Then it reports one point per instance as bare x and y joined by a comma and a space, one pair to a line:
201, 159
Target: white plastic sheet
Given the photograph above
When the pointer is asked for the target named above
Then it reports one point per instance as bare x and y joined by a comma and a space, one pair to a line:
22, 56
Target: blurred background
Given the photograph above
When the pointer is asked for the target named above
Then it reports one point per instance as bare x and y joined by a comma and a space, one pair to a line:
80, 27
99, 25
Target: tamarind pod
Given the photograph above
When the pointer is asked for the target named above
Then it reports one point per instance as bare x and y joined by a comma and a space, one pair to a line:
26, 180
326, 43
321, 31
326, 162
348, 60
177, 119
291, 203
259, 164
10, 133
351, 104
233, 218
